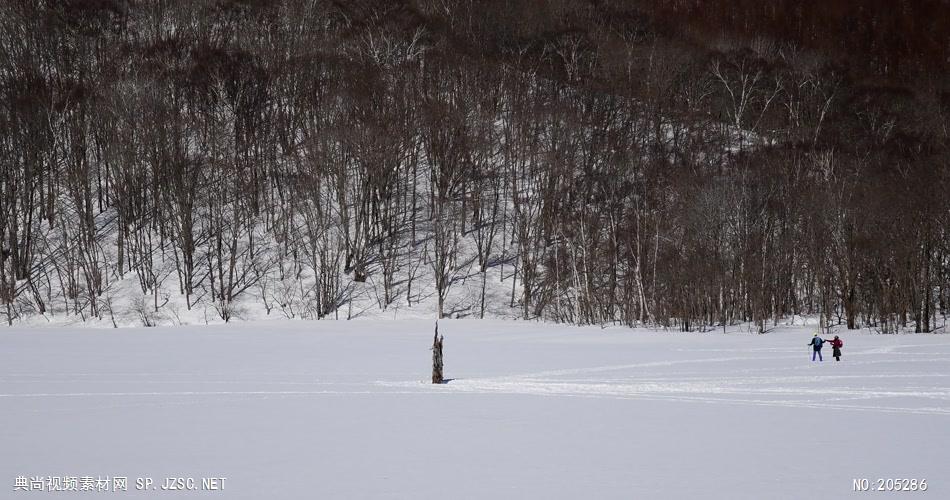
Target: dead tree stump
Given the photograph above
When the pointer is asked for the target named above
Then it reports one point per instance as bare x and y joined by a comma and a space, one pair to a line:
437, 357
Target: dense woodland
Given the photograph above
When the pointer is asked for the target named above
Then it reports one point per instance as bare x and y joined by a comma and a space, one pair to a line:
683, 163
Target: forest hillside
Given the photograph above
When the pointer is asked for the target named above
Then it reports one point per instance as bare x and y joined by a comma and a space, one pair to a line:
682, 163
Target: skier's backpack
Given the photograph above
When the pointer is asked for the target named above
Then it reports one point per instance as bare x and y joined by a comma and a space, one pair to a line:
818, 341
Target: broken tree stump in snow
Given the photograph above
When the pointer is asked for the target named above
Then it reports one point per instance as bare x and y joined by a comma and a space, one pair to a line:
437, 357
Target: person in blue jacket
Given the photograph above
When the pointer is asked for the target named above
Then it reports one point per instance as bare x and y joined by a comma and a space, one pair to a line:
816, 343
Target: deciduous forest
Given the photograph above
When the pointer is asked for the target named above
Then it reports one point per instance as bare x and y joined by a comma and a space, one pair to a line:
678, 163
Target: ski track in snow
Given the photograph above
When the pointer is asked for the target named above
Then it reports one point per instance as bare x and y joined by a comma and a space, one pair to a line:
743, 392
915, 381
820, 391
785, 386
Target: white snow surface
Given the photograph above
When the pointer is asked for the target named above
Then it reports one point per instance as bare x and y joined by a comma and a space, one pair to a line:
336, 409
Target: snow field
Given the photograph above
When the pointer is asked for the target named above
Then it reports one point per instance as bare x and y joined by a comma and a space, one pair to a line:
292, 409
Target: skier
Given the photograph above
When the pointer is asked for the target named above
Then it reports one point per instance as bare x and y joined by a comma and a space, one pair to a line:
816, 343
837, 344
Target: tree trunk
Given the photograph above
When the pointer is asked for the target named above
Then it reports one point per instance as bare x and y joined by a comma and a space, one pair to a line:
437, 357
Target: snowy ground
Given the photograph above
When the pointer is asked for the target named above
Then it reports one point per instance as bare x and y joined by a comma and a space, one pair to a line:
308, 410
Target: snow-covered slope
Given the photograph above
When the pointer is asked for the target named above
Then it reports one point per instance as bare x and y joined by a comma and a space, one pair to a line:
303, 410
274, 298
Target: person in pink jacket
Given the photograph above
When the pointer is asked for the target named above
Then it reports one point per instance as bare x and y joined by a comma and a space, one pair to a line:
836, 346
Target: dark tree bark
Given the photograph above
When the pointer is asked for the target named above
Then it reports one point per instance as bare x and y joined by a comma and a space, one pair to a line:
437, 377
